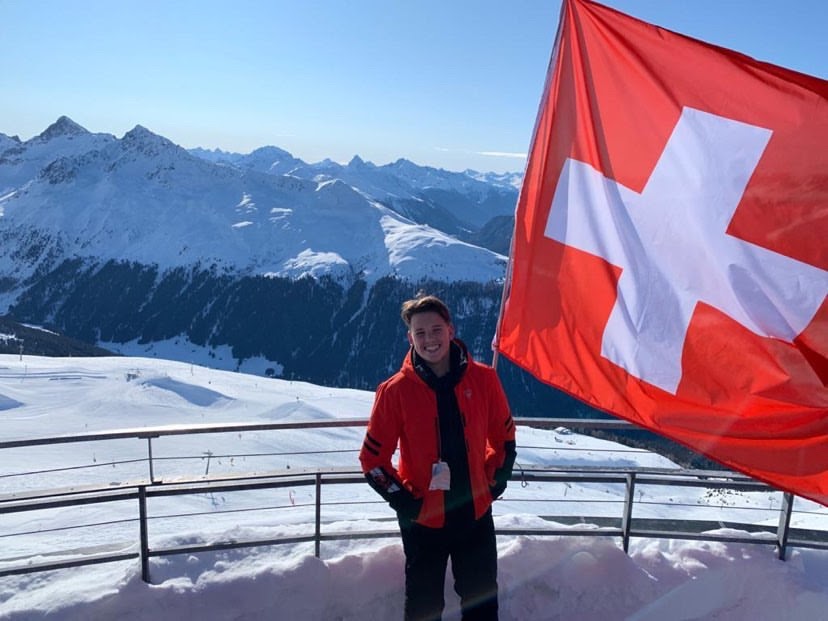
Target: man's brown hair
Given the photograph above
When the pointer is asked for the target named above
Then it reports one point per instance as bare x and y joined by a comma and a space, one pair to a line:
423, 304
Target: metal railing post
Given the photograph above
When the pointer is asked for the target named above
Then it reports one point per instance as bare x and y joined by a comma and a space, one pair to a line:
318, 537
149, 460
626, 520
144, 530
784, 524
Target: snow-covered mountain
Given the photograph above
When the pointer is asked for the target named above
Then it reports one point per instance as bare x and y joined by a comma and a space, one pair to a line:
456, 203
141, 198
258, 261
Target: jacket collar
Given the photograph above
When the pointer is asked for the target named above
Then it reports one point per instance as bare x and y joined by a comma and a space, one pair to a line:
414, 366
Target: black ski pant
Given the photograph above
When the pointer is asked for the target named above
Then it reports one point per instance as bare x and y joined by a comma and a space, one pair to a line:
472, 548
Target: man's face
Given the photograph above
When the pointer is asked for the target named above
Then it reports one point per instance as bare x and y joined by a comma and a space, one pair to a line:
430, 335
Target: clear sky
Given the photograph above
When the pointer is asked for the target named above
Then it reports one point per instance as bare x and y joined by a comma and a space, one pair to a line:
447, 83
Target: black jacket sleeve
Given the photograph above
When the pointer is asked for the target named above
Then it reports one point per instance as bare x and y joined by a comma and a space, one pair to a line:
394, 492
504, 473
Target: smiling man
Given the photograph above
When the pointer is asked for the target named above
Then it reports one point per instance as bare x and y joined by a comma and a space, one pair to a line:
456, 436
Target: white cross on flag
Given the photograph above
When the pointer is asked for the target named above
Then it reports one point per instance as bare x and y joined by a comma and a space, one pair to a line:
670, 257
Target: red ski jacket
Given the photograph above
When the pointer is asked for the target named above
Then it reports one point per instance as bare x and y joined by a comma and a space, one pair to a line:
405, 413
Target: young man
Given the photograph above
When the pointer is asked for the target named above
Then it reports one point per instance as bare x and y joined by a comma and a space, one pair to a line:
456, 437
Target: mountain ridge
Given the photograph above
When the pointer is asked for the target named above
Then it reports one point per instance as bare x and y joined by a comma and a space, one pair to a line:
143, 198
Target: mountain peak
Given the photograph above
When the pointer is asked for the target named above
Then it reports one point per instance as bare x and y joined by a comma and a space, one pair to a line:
140, 133
357, 163
64, 126
272, 160
271, 151
8, 142
142, 139
407, 166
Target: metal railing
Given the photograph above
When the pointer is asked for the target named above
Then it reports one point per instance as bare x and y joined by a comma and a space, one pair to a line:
624, 515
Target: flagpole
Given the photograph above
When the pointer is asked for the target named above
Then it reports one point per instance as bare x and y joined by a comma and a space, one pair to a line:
507, 283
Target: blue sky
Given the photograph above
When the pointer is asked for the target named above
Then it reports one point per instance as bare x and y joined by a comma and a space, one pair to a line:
446, 83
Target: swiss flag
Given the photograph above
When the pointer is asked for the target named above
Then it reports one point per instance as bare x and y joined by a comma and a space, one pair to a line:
670, 256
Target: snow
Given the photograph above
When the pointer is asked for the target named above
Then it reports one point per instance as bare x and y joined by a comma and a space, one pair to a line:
316, 264
541, 578
416, 249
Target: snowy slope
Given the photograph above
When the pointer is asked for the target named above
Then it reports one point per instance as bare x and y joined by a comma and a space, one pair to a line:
544, 578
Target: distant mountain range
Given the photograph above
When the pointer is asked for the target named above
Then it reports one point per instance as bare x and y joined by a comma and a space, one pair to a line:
261, 263
72, 193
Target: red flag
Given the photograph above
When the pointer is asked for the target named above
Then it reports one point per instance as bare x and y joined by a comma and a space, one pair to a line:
670, 257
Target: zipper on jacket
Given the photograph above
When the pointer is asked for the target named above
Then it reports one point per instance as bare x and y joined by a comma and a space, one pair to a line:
439, 439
